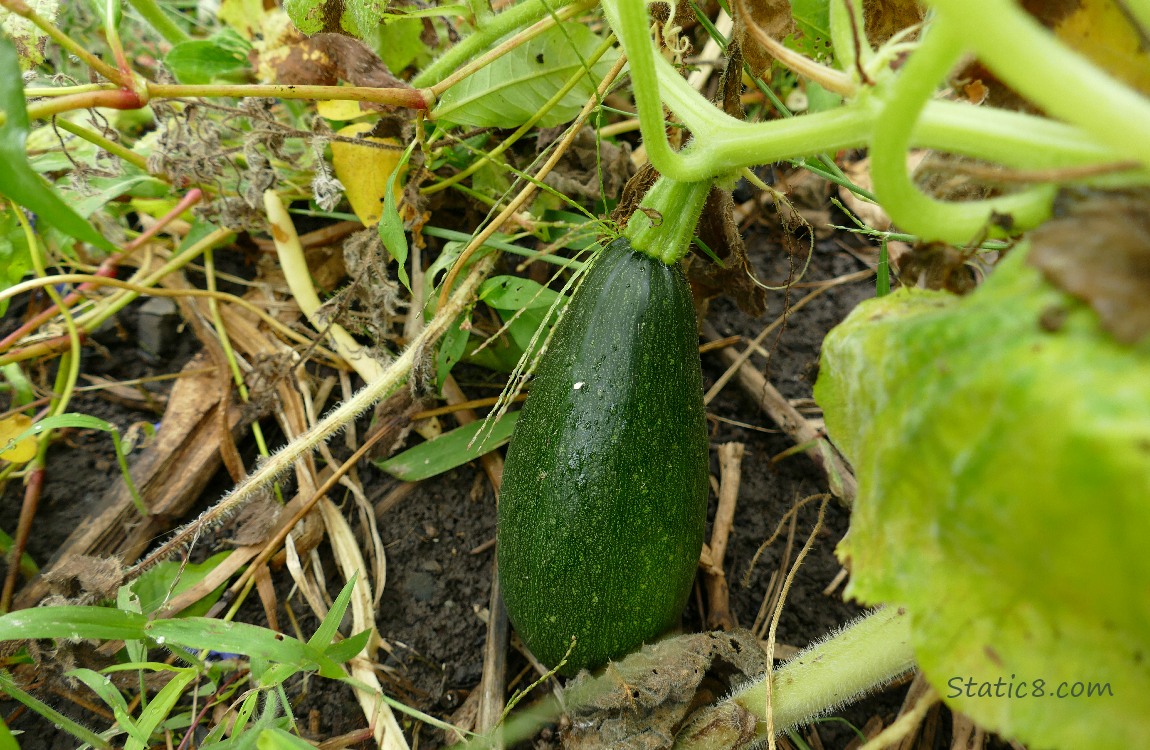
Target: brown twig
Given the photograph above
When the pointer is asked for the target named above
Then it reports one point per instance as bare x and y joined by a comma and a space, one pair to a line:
719, 615
842, 481
491, 686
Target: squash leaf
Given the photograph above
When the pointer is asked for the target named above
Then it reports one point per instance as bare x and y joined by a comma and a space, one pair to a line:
511, 90
1002, 447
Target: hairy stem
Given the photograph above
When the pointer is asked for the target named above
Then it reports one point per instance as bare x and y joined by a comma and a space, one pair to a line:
867, 654
335, 421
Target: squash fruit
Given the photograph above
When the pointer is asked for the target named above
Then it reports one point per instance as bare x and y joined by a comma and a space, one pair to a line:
604, 499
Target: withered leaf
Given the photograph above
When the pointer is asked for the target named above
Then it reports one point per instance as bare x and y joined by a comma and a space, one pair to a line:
1099, 251
590, 170
85, 579
639, 703
718, 230
773, 17
326, 59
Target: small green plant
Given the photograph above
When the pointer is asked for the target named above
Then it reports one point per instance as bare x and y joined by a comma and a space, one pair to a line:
227, 663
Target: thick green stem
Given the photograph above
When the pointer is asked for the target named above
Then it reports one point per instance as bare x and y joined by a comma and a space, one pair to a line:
665, 222
864, 656
908, 207
725, 144
1060, 81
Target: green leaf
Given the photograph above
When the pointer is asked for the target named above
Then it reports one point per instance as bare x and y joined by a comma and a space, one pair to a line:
168, 579
348, 648
222, 59
391, 225
7, 741
813, 23
28, 37
327, 629
449, 450
71, 622
452, 347
274, 738
1003, 464
15, 258
511, 90
159, 707
18, 181
400, 41
514, 293
232, 637
361, 17
307, 15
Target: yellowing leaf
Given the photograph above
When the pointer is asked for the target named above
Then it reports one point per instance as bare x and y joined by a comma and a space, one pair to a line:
364, 171
341, 109
1101, 30
23, 451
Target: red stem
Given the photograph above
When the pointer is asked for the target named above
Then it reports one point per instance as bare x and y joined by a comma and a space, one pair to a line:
32, 490
107, 269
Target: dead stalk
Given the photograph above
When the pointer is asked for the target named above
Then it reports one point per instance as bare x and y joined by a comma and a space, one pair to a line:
334, 422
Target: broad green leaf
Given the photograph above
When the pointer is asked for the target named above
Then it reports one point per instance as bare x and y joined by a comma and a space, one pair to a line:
511, 90
449, 450
1002, 447
7, 741
221, 59
400, 41
813, 24
452, 347
167, 579
307, 15
361, 17
515, 292
15, 259
18, 181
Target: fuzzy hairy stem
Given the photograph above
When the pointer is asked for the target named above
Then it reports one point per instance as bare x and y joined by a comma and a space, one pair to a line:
394, 375
865, 655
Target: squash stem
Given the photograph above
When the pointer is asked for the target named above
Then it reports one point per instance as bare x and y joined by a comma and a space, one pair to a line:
664, 223
864, 656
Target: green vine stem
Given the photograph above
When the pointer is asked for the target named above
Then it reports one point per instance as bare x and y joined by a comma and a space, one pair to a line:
1060, 81
865, 655
155, 16
725, 144
912, 210
664, 223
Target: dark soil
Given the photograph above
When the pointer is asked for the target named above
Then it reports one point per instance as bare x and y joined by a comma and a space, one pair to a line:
438, 539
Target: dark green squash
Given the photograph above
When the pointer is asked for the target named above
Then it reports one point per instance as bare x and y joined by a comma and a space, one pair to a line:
604, 498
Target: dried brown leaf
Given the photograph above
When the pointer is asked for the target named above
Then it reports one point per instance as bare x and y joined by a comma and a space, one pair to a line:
638, 703
773, 17
718, 230
1099, 251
